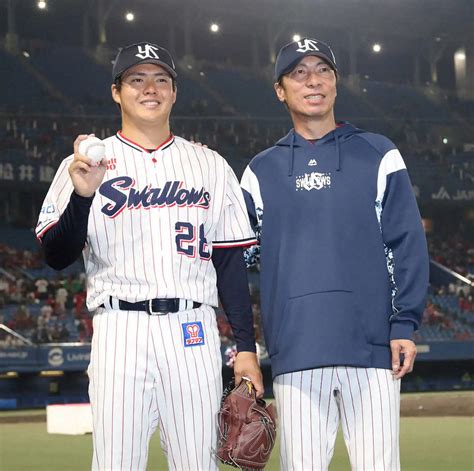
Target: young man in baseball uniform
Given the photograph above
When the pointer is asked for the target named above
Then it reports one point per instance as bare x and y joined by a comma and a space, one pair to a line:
161, 224
344, 272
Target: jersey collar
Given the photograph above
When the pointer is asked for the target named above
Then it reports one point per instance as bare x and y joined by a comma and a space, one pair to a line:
164, 145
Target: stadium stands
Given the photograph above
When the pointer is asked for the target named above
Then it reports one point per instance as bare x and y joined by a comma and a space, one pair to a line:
22, 90
444, 320
238, 113
35, 137
464, 107
45, 306
406, 101
52, 79
351, 105
194, 99
246, 95
399, 111
454, 251
231, 110
64, 68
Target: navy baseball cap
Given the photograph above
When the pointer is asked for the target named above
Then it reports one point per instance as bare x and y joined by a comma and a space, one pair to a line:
142, 53
291, 54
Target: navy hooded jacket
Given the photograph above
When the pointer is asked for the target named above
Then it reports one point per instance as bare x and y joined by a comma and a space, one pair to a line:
343, 255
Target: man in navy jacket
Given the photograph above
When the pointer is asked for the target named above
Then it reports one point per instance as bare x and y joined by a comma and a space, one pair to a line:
344, 271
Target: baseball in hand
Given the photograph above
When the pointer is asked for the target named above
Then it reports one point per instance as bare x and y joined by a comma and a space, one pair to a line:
93, 148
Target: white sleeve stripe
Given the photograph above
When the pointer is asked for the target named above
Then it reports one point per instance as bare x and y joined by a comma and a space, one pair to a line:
233, 224
235, 243
246, 179
250, 184
392, 162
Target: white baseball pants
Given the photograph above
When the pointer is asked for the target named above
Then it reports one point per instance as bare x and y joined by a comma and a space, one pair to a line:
142, 376
312, 403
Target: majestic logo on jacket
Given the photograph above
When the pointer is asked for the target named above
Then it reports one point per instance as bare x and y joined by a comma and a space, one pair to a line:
313, 181
122, 194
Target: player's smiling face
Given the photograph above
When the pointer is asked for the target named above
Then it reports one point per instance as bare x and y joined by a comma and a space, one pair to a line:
309, 90
146, 94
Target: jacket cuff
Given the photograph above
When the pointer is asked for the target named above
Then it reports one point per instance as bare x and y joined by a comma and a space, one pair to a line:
402, 330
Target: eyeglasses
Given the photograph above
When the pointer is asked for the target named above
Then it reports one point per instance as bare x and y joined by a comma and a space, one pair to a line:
302, 72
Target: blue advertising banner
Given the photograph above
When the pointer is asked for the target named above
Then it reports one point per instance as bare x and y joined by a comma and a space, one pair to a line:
61, 356
12, 357
76, 357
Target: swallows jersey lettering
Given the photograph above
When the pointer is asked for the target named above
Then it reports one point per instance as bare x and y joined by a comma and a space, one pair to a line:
122, 194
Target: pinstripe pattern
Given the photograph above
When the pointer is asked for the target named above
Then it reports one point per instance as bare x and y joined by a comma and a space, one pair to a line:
133, 255
141, 375
312, 403
168, 382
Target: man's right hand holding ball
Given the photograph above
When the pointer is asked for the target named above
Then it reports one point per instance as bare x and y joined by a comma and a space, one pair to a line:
87, 171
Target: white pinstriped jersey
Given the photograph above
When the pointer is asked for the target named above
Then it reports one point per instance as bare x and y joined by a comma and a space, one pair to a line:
155, 220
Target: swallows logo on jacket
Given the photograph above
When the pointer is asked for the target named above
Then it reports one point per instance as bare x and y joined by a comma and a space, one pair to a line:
313, 181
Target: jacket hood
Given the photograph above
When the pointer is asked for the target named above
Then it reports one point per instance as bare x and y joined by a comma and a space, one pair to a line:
343, 132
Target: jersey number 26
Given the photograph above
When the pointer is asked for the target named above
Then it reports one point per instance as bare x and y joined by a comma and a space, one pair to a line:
186, 238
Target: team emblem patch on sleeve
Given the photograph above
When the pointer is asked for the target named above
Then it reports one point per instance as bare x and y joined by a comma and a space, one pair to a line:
193, 334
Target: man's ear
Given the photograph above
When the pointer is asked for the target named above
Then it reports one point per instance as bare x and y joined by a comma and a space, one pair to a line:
280, 92
115, 93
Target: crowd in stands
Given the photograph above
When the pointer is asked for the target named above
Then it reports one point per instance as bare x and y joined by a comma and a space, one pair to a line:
42, 309
13, 259
449, 311
453, 251
215, 105
45, 307
449, 315
46, 141
52, 309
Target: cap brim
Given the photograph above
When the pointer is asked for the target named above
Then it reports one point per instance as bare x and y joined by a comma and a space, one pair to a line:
151, 61
162, 64
297, 61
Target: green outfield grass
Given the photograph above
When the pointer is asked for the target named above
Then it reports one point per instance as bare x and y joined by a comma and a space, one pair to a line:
441, 443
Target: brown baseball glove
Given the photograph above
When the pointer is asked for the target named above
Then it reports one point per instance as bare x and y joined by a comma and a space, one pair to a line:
247, 428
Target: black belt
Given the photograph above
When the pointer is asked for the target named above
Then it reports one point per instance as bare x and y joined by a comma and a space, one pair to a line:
154, 307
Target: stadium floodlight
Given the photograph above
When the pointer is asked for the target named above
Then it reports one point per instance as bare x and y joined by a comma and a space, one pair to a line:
129, 16
376, 48
42, 5
214, 28
296, 37
9, 374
